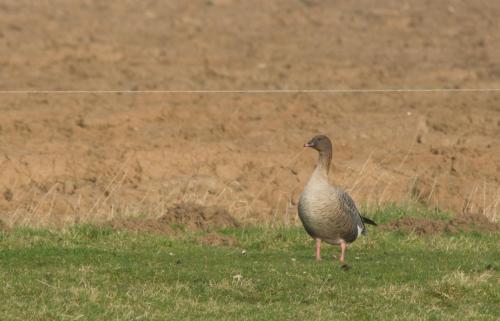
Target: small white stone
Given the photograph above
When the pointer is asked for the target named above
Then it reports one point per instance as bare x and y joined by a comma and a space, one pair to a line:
171, 254
293, 259
244, 252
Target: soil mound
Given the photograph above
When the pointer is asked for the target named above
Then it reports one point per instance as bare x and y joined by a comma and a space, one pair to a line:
196, 217
214, 239
462, 223
190, 216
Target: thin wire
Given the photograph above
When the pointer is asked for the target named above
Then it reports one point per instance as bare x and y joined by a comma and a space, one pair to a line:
254, 91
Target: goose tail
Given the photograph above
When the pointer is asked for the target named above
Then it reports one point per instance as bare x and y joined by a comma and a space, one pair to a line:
366, 220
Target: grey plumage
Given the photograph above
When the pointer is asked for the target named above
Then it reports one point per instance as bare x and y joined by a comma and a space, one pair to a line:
327, 212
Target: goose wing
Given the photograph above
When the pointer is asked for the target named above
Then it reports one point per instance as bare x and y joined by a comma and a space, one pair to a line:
349, 207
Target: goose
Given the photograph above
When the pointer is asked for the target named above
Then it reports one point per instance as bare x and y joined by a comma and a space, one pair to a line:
327, 212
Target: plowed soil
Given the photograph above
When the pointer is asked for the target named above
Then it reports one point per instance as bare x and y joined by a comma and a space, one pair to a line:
72, 157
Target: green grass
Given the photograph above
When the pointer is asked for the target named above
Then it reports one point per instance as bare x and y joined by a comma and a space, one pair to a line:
88, 273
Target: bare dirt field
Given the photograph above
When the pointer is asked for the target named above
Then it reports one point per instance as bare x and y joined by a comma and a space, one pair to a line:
75, 157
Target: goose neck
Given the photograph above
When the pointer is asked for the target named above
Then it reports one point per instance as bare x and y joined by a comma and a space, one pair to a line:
323, 165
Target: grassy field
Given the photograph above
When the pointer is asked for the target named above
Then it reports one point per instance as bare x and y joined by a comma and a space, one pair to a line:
91, 273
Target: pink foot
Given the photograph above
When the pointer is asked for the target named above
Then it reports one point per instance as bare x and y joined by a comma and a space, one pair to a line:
343, 247
318, 250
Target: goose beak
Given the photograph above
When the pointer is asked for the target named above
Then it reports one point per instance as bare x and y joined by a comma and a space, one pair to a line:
308, 145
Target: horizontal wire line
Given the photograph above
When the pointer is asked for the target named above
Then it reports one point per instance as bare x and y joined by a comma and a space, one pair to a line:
253, 91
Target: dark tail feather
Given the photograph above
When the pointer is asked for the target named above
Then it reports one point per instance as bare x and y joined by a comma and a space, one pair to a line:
366, 220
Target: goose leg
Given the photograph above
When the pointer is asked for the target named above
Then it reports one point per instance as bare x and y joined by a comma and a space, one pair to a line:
343, 247
318, 250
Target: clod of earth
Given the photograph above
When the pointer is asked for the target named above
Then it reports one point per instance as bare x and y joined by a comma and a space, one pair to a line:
197, 217
8, 195
214, 239
190, 216
462, 223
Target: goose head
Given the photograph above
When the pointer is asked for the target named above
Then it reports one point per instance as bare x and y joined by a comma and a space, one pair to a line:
321, 143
